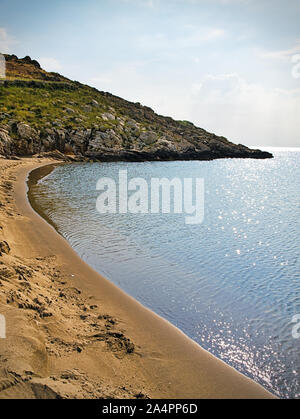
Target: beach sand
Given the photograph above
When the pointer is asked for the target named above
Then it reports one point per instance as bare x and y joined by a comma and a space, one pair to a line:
71, 333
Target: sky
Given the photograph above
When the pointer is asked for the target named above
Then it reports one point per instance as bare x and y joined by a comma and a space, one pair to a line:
231, 67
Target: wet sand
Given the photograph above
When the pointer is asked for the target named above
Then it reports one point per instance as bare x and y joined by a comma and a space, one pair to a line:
71, 333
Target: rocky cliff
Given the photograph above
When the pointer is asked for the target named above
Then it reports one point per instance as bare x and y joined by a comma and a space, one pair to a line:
41, 112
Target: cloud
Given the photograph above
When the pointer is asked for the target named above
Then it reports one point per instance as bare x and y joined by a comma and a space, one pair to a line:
50, 63
283, 55
236, 1
206, 35
154, 3
147, 3
6, 41
225, 2
226, 104
190, 37
246, 112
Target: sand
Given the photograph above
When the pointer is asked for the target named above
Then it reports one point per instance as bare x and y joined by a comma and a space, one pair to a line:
70, 333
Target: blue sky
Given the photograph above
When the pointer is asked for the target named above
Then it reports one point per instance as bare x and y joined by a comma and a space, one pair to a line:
229, 66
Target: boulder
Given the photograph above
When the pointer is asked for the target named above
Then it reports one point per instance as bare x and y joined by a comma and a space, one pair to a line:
26, 139
132, 124
26, 132
132, 129
108, 116
164, 143
108, 140
5, 141
148, 137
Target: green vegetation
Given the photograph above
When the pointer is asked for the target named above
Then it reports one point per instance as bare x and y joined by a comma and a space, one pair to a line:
48, 100
43, 107
186, 123
41, 111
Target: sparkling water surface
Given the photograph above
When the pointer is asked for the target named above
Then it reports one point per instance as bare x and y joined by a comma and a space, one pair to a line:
231, 283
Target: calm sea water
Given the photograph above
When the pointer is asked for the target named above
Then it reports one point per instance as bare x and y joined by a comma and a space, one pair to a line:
231, 283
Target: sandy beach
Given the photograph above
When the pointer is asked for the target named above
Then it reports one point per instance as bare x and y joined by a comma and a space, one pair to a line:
70, 333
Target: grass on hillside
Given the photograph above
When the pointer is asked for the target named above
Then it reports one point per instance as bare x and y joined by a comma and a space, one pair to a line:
44, 107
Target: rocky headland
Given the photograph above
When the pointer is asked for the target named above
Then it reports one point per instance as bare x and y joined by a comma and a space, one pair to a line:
42, 112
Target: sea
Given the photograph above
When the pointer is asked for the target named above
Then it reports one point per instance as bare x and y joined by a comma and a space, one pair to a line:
230, 282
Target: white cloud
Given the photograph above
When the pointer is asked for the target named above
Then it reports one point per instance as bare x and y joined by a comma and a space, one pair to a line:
220, 1
192, 37
283, 55
246, 112
227, 104
236, 1
206, 35
147, 3
49, 64
6, 41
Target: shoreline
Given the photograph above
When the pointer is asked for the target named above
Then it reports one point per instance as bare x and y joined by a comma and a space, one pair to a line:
88, 338
33, 177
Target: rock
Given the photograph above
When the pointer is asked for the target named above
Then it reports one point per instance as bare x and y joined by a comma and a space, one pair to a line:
4, 248
69, 110
163, 142
132, 124
5, 142
26, 132
4, 115
28, 60
26, 140
55, 154
94, 103
107, 140
57, 123
79, 139
148, 137
108, 116
14, 158
132, 128
121, 121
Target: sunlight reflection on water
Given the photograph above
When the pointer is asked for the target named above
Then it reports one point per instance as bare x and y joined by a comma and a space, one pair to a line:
231, 283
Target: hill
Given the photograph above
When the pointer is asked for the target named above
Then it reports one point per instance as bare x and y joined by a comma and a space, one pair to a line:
42, 111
